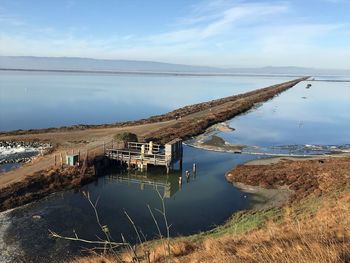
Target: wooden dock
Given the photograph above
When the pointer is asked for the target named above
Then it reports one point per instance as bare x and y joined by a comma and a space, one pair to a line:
141, 155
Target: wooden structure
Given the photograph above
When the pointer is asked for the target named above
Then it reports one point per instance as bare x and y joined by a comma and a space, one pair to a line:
143, 154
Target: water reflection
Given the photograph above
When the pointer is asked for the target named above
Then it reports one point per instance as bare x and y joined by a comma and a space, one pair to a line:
319, 115
39, 99
167, 185
204, 201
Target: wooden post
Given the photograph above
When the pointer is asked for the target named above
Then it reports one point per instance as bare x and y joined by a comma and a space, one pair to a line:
142, 151
150, 147
104, 148
187, 176
129, 161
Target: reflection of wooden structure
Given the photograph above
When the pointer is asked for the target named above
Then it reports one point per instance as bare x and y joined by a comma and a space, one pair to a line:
143, 154
168, 185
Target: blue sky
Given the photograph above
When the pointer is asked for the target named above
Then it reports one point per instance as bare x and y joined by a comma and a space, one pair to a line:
224, 33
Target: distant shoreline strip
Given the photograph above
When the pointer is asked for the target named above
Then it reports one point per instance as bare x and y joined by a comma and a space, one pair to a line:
204, 74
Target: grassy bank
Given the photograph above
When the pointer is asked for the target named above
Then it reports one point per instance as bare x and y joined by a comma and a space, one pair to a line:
314, 226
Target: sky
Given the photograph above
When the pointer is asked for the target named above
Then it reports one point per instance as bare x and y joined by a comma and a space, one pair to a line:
225, 33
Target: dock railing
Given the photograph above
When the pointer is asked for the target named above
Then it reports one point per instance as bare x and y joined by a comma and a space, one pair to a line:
129, 156
156, 148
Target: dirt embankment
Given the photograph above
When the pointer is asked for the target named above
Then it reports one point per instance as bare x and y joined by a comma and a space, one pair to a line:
191, 120
203, 115
45, 182
307, 177
259, 94
41, 184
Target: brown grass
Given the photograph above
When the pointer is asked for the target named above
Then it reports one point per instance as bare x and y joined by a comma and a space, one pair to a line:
323, 237
314, 228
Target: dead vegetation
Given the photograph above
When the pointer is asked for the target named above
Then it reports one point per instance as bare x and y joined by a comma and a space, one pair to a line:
312, 228
42, 184
303, 177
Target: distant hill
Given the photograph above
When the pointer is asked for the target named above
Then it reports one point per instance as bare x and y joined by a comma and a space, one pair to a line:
89, 64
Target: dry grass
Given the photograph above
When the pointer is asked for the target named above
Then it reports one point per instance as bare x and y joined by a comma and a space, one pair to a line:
315, 228
297, 237
97, 259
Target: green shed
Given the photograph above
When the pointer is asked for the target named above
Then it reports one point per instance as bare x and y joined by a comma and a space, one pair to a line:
72, 159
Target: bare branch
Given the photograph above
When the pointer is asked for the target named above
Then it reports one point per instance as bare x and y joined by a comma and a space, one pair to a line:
76, 238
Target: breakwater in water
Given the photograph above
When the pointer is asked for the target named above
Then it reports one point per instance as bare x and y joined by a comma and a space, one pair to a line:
185, 122
260, 95
195, 119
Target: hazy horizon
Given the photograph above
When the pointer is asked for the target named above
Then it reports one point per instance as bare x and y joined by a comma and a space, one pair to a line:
116, 65
217, 33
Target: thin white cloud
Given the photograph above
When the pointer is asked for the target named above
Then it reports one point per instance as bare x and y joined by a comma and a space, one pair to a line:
9, 20
217, 23
214, 33
295, 37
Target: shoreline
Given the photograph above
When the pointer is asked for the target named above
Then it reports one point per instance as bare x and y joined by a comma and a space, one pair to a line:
217, 114
184, 123
170, 73
269, 195
211, 142
263, 198
274, 160
318, 219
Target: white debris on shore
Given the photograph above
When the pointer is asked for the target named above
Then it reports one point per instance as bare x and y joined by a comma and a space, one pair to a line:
20, 151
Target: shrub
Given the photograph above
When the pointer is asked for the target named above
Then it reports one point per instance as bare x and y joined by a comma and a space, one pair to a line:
126, 137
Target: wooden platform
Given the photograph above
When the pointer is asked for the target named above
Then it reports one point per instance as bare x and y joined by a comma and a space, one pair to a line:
143, 154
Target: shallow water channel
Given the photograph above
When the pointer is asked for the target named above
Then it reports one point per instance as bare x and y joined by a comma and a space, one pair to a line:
206, 200
298, 117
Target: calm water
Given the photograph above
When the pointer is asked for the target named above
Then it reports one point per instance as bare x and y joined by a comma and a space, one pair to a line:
319, 115
37, 100
200, 204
